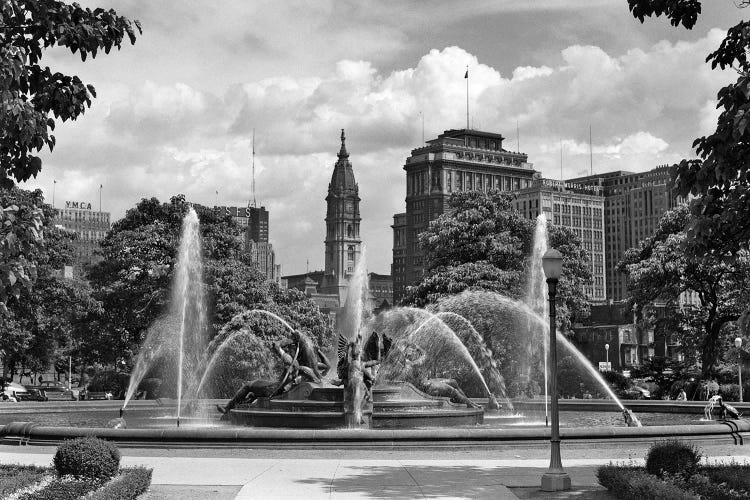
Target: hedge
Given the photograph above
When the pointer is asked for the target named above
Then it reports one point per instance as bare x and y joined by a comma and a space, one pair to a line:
130, 483
127, 486
16, 477
64, 488
635, 483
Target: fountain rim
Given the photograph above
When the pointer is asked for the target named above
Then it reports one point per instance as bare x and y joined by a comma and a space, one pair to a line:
23, 433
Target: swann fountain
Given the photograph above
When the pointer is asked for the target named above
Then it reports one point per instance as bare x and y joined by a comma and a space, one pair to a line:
393, 379
393, 373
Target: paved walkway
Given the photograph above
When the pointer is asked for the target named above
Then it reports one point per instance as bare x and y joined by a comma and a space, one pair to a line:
268, 474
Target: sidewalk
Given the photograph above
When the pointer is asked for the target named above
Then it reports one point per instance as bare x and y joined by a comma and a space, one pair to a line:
344, 477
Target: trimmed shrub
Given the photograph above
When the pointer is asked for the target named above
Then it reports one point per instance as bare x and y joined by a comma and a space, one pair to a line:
672, 457
127, 486
634, 483
62, 489
87, 458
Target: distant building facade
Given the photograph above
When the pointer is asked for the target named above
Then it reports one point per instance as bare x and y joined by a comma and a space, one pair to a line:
610, 334
255, 229
90, 227
456, 161
579, 208
633, 205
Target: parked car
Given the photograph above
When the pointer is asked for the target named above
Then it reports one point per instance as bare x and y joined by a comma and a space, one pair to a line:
32, 395
51, 386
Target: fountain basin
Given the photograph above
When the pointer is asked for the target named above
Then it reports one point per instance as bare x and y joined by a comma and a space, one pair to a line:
22, 433
318, 406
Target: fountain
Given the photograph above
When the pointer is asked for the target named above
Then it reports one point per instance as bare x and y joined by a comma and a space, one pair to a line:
372, 390
186, 316
352, 400
456, 337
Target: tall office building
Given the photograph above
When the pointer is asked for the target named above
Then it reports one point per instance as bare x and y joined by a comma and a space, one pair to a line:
89, 225
633, 205
575, 206
254, 224
457, 160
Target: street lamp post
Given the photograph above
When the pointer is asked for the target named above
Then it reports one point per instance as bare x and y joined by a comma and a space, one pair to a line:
738, 345
606, 350
555, 479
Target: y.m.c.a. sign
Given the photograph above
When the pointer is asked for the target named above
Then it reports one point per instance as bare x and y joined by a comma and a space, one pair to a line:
78, 204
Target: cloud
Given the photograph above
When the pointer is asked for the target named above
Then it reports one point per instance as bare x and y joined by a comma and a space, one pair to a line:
159, 138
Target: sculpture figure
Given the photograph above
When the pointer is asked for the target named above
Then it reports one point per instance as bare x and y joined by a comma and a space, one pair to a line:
725, 409
375, 350
353, 380
443, 387
630, 419
249, 392
306, 362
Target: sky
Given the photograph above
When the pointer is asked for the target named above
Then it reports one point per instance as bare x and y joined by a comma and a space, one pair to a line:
175, 112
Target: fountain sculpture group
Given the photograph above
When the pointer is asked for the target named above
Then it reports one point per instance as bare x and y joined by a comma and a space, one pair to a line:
382, 379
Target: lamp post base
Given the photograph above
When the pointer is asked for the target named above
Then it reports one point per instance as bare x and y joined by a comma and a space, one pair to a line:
555, 481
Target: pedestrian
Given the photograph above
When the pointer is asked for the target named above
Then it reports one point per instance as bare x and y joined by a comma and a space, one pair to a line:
682, 396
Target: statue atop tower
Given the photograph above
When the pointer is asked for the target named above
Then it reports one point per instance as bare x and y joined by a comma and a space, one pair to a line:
342, 243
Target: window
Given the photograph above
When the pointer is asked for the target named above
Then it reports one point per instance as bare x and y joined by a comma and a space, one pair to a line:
350, 253
349, 231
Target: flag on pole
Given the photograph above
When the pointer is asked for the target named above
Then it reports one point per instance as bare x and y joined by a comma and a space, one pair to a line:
101, 186
466, 75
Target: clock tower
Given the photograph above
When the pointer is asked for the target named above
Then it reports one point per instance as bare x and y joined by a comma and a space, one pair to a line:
343, 244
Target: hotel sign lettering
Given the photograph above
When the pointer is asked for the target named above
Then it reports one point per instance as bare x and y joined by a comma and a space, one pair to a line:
234, 211
78, 204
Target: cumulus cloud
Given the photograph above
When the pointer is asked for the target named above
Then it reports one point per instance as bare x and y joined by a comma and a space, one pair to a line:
158, 137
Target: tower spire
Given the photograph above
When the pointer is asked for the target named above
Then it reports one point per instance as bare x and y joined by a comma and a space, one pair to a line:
342, 152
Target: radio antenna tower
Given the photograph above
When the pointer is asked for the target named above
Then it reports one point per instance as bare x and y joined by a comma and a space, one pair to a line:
255, 205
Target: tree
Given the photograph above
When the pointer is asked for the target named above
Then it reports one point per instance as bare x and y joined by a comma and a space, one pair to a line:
133, 282
720, 177
21, 236
660, 270
39, 323
30, 92
483, 243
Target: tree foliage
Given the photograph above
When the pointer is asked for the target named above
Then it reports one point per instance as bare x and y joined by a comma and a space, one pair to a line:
133, 282
483, 243
21, 235
39, 324
660, 270
30, 92
720, 178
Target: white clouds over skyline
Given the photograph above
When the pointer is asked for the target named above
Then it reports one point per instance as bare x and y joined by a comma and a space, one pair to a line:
152, 134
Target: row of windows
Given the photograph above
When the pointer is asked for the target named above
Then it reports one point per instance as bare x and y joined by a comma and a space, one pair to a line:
459, 180
85, 215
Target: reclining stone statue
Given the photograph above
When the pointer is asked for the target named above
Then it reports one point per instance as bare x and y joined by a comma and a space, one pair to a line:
442, 387
307, 362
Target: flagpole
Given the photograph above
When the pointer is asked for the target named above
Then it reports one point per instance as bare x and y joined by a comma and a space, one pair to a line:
54, 185
467, 97
591, 154
518, 138
100, 197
